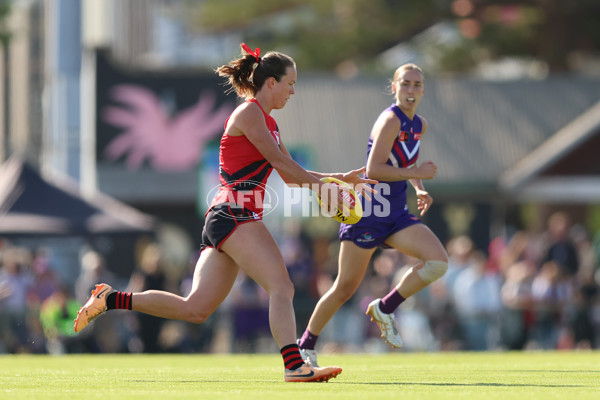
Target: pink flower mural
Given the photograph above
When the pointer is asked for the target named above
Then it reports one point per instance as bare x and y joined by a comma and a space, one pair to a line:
169, 143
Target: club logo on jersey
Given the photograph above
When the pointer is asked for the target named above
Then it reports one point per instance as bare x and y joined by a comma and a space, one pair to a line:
365, 237
404, 136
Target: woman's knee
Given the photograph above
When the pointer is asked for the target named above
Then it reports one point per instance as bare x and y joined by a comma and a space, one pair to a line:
433, 270
344, 291
435, 254
281, 289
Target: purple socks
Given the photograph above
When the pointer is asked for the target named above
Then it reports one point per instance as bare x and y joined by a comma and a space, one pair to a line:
390, 302
308, 340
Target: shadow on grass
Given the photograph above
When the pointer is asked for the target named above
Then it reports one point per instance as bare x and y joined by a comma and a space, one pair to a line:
562, 371
441, 384
463, 384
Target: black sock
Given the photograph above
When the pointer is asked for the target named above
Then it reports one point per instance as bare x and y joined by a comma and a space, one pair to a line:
291, 356
119, 301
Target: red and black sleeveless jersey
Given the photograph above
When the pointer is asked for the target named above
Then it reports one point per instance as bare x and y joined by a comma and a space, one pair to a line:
243, 171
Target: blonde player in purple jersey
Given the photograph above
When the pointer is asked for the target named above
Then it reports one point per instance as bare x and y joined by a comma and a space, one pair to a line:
392, 154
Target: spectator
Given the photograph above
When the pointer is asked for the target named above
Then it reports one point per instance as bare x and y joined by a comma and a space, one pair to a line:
15, 282
45, 282
57, 314
476, 295
588, 261
441, 308
516, 317
520, 247
580, 319
561, 248
550, 294
93, 269
106, 336
460, 251
149, 275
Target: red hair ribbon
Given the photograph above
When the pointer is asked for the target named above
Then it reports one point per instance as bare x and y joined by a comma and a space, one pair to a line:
255, 53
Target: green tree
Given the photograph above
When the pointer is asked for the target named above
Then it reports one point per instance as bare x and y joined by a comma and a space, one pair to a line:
325, 33
549, 30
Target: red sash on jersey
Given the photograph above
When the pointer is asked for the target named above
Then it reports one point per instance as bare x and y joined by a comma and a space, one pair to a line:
243, 171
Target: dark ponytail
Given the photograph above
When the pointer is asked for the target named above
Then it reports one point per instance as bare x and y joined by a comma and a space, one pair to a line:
246, 75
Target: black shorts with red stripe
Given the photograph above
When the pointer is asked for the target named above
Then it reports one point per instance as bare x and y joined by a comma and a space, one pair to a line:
221, 220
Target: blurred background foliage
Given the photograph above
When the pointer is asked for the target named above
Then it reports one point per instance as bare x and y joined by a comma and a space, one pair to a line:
330, 34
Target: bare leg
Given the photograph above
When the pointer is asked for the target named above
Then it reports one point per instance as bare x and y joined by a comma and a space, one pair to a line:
214, 277
411, 282
420, 242
255, 251
352, 265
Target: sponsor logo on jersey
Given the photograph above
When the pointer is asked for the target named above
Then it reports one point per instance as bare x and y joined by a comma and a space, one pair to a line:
365, 237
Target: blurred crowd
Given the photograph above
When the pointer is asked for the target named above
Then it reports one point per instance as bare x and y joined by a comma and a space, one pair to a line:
526, 291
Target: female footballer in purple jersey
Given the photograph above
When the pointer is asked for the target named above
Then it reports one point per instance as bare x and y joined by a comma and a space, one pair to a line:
392, 153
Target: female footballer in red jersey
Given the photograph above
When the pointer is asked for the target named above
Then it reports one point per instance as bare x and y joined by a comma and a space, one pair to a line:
234, 236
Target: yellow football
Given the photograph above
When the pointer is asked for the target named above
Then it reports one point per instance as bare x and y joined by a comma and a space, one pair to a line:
352, 206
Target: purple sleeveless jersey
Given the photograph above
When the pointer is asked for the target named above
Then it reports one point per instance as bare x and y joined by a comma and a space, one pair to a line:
387, 212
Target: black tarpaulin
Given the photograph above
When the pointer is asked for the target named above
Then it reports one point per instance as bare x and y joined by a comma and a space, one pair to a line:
32, 205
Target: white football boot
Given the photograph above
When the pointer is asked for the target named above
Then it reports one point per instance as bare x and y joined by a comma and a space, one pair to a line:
386, 322
309, 356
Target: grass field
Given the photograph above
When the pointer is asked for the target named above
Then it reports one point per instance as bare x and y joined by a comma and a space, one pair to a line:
532, 375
